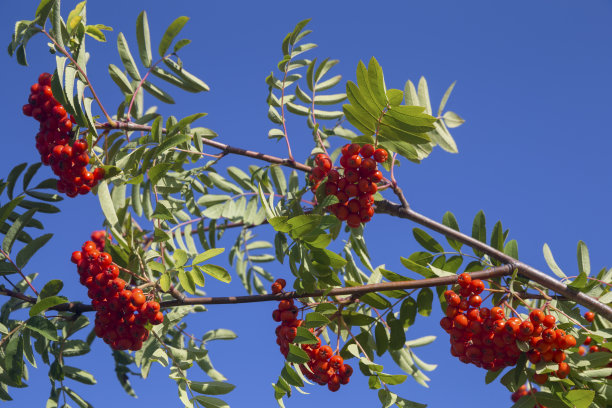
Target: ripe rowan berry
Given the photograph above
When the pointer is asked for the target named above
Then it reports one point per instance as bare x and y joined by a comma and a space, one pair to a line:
464, 280
536, 316
540, 378
589, 316
380, 155
549, 321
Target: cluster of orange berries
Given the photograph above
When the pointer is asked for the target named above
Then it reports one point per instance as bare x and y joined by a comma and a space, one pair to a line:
121, 313
68, 161
356, 186
487, 339
324, 366
521, 392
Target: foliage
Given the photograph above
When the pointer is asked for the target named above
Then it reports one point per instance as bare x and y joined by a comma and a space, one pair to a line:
167, 204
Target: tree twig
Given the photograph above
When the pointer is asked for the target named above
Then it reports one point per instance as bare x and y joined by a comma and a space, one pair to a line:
388, 207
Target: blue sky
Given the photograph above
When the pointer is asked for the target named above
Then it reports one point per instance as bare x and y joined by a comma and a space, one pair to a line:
533, 83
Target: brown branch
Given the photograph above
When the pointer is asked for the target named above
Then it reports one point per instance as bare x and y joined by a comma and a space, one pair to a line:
355, 291
217, 145
388, 207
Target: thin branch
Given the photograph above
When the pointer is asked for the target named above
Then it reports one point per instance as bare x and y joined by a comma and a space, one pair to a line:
18, 270
78, 67
388, 207
356, 291
217, 145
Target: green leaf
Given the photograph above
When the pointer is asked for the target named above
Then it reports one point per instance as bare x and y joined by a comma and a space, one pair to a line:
43, 10
382, 340
194, 83
11, 179
120, 79
397, 337
297, 355
126, 57
46, 303
302, 224
15, 230
79, 375
27, 177
30, 249
51, 288
427, 241
584, 263
327, 257
450, 221
144, 39
375, 300
453, 120
408, 311
352, 318
580, 398
157, 92
180, 258
95, 33
511, 249
316, 319
479, 230
445, 98
219, 334
424, 95
187, 281
74, 348
106, 202
206, 255
210, 402
497, 236
216, 272
550, 260
424, 301
392, 379
422, 341
291, 376
171, 32
41, 325
304, 336
180, 44
211, 387
197, 277
492, 375
165, 282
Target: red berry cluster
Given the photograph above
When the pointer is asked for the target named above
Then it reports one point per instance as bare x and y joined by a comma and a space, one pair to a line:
521, 392
121, 313
487, 338
68, 161
356, 185
99, 238
324, 366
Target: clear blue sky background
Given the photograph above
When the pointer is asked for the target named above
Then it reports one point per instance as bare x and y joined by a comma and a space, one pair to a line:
533, 83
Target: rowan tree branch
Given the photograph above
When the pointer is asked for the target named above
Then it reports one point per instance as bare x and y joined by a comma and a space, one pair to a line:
404, 211
227, 149
355, 291
397, 210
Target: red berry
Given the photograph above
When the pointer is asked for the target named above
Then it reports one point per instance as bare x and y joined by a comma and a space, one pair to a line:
549, 321
380, 155
464, 280
589, 316
352, 149
536, 316
44, 79
366, 150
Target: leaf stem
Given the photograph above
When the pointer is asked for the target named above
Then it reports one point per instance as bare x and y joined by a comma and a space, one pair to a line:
78, 67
